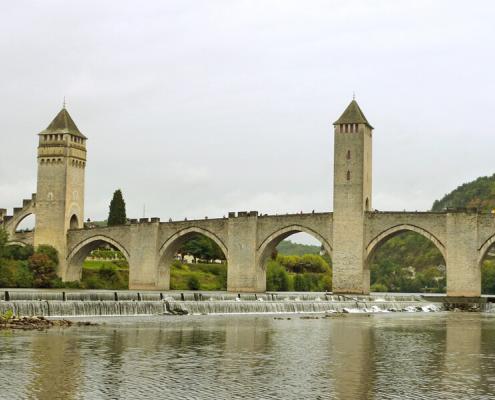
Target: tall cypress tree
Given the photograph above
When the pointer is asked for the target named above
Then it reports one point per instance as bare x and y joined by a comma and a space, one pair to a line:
117, 215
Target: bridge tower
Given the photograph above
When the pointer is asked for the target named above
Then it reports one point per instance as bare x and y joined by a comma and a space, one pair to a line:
352, 198
60, 187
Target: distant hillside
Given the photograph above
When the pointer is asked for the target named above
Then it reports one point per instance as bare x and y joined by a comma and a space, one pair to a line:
479, 193
288, 248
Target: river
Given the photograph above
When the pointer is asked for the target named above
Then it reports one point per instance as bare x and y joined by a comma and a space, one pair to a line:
385, 356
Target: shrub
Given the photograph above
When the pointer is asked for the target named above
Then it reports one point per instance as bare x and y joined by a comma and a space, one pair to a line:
193, 283
23, 276
73, 285
4, 237
7, 279
122, 264
92, 282
488, 277
222, 279
6, 316
326, 282
107, 273
43, 269
307, 263
300, 283
17, 252
214, 269
277, 278
378, 287
50, 251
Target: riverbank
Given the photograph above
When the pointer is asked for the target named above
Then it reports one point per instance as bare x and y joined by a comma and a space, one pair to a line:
9, 322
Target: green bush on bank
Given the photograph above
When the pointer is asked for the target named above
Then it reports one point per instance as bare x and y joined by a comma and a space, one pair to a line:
277, 278
488, 277
209, 276
387, 276
104, 278
23, 267
280, 280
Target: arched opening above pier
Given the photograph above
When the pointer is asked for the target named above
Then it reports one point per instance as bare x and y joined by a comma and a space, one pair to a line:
193, 259
26, 224
487, 266
296, 258
406, 259
99, 263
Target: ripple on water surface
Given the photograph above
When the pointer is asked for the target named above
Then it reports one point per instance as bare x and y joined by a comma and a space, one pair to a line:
419, 356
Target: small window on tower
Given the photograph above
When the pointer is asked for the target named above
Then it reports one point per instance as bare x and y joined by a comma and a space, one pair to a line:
348, 175
348, 154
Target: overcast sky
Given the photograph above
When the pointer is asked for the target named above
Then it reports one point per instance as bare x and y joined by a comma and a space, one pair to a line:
198, 108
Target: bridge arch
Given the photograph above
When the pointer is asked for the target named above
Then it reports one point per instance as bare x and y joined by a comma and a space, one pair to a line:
170, 247
379, 240
19, 219
79, 253
15, 243
395, 230
268, 245
484, 248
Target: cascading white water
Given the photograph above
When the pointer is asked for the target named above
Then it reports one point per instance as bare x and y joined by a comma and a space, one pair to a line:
94, 303
126, 307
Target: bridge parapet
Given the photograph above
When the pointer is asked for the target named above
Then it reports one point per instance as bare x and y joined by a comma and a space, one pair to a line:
382, 225
318, 225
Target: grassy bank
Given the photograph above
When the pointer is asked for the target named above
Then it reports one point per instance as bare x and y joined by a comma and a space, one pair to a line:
198, 276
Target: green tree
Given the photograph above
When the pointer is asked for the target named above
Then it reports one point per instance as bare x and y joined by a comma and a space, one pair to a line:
488, 277
43, 269
479, 194
117, 215
202, 247
4, 237
277, 278
49, 251
17, 252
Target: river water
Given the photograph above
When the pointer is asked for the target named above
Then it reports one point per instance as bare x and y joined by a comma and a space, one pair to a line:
385, 356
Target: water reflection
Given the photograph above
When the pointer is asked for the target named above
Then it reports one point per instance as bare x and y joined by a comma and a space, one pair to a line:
391, 356
56, 367
351, 355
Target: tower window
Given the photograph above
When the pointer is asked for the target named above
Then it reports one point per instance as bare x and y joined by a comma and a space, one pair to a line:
348, 154
348, 175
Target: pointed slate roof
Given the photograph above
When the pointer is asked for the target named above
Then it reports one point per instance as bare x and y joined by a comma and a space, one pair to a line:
353, 115
63, 123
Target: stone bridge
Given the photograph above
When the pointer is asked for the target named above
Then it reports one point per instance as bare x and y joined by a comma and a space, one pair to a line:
248, 239
350, 235
11, 222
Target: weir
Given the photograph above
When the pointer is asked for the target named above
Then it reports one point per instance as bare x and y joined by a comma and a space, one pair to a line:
128, 303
